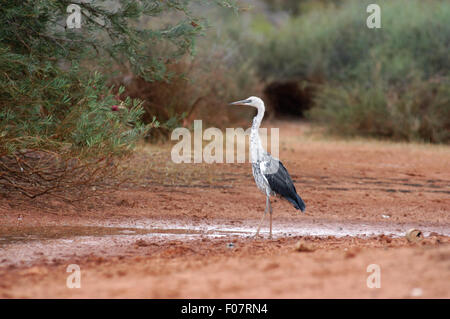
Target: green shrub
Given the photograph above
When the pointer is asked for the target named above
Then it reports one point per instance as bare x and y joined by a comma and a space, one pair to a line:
70, 114
334, 43
418, 111
60, 124
369, 81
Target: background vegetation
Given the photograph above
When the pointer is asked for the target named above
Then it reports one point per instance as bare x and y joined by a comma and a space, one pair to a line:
74, 102
391, 82
62, 123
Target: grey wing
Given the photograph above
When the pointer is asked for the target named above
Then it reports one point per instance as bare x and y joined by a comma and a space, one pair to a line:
280, 181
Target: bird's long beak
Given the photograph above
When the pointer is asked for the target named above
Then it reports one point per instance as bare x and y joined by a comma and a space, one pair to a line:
242, 102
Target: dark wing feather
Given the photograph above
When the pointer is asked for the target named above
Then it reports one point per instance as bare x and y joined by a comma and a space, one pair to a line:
281, 183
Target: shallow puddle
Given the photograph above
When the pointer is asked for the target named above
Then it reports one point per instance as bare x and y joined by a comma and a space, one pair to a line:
25, 245
17, 234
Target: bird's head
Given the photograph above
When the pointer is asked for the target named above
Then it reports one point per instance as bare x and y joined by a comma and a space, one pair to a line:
251, 101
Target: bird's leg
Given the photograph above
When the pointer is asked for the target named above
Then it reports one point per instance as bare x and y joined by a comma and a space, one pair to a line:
270, 212
262, 219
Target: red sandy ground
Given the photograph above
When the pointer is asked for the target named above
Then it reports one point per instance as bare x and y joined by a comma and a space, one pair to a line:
340, 181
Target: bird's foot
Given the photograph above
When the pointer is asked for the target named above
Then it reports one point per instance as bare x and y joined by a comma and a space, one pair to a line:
257, 235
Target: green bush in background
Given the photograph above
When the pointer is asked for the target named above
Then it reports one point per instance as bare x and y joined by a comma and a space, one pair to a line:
57, 113
390, 82
418, 111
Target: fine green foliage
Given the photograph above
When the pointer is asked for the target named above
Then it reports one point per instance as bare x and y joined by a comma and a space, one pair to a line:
51, 99
54, 100
68, 114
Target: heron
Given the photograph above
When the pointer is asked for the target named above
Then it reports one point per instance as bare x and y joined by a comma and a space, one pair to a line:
271, 177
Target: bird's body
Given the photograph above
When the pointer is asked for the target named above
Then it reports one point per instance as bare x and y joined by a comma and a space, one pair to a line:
270, 175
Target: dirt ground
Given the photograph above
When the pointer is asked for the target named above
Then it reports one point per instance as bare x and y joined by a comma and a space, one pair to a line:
347, 185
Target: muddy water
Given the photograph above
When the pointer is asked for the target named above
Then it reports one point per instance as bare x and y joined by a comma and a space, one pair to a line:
17, 234
220, 228
26, 245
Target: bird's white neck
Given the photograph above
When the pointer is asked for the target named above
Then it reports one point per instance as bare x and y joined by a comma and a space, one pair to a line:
256, 148
258, 118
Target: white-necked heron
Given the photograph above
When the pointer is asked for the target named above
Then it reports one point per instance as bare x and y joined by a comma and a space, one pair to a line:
270, 175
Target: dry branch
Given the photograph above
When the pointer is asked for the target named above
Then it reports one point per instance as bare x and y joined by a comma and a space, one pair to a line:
34, 173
